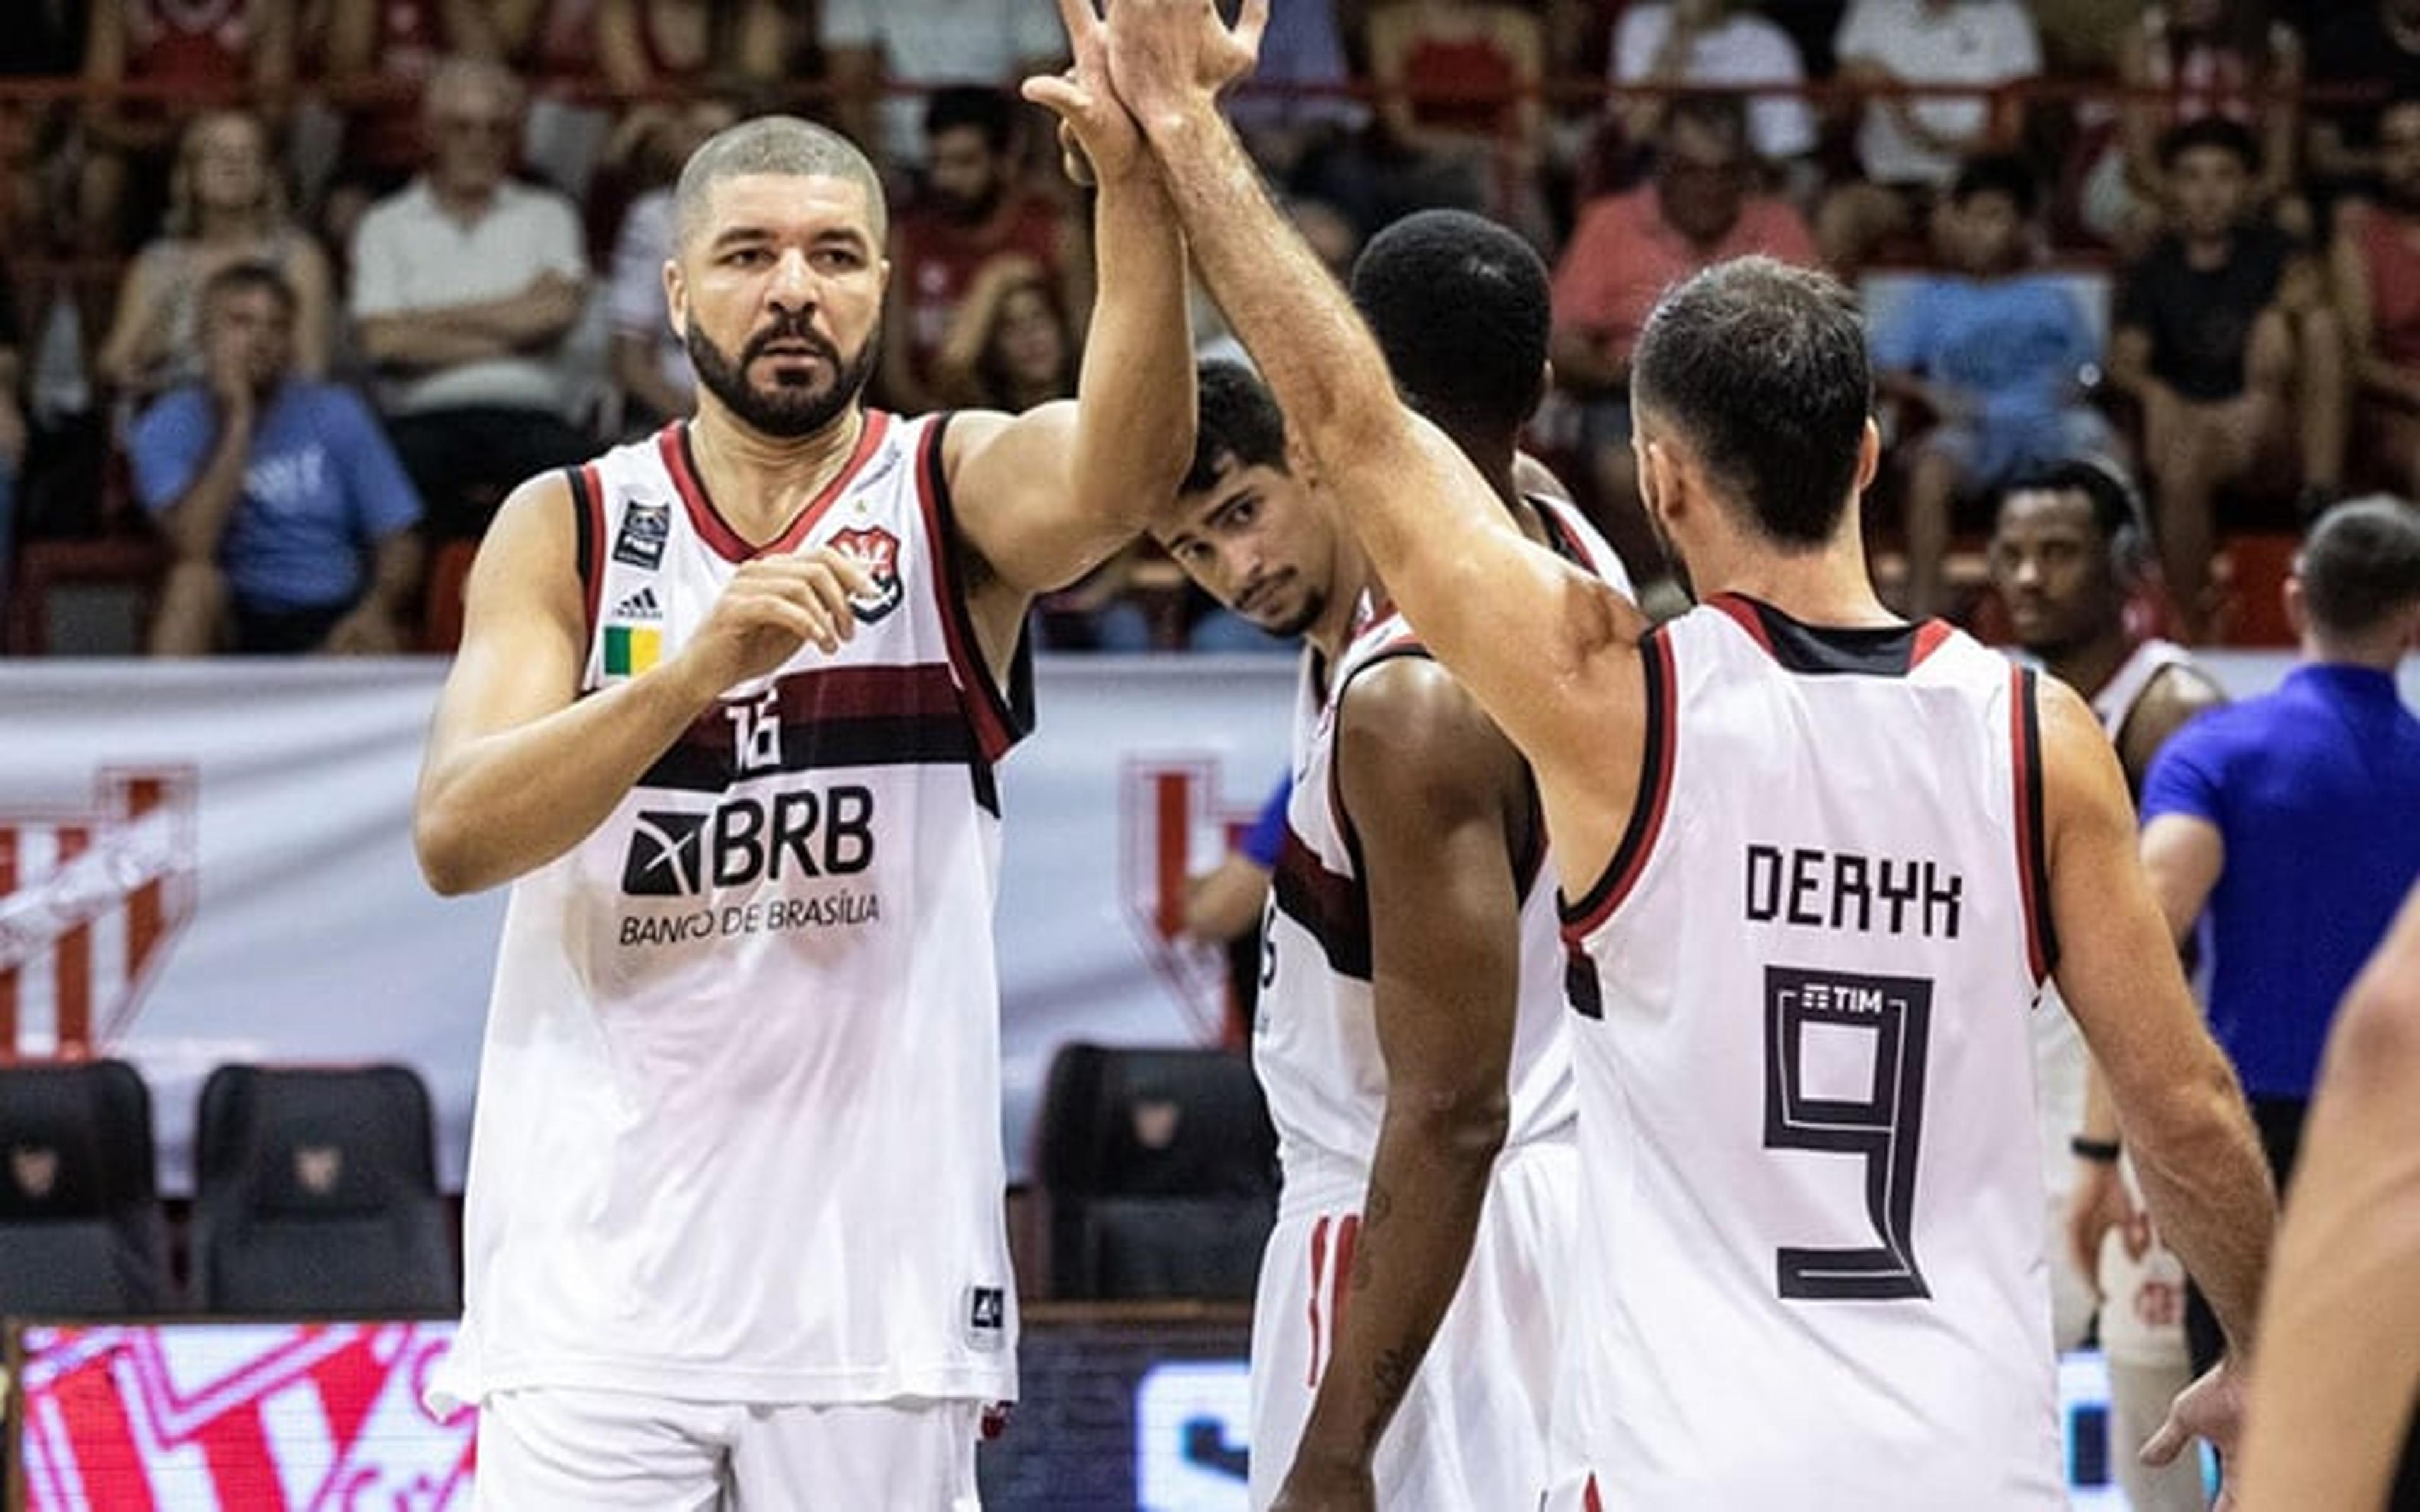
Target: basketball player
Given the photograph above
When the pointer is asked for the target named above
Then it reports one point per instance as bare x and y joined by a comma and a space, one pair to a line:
2065, 555
726, 713
1821, 862
2340, 1372
1410, 1027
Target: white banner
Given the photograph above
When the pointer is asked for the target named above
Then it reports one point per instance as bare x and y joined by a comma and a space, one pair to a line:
207, 862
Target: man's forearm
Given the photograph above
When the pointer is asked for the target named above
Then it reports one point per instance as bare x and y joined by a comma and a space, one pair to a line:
1135, 399
411, 345
2207, 1187
1428, 1184
196, 522
394, 573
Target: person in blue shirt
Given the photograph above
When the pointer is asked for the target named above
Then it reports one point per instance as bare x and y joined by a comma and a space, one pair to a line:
2286, 828
289, 520
1997, 353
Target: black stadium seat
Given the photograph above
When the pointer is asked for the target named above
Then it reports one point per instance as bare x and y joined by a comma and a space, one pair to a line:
80, 1229
1160, 1167
316, 1194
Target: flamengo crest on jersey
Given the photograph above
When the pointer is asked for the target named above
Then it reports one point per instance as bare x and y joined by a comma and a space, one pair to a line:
1810, 1271
759, 1002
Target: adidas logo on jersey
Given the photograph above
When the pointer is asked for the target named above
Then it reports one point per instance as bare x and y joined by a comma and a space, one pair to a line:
638, 606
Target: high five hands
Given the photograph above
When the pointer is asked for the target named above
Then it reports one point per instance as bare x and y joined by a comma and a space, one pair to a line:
1150, 62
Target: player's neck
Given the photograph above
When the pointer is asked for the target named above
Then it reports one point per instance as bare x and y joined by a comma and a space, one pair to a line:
1355, 580
759, 482
2087, 668
1829, 586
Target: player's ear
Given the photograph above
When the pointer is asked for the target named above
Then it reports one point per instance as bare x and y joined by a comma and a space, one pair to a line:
1870, 454
676, 298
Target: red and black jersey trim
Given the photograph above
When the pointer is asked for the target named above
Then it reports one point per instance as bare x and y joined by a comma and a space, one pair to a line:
1002, 717
673, 444
2033, 852
588, 537
831, 717
1332, 908
1565, 541
1828, 650
1646, 811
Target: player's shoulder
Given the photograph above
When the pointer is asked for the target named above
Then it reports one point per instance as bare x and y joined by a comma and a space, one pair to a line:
1404, 718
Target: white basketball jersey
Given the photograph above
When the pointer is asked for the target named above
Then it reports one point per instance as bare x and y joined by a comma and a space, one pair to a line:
1810, 1265
1316, 1039
738, 1135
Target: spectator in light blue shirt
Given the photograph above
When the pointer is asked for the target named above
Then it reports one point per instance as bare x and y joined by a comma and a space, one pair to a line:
2286, 828
1995, 353
290, 520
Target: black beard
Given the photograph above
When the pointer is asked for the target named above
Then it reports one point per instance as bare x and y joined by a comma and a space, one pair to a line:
1313, 606
786, 411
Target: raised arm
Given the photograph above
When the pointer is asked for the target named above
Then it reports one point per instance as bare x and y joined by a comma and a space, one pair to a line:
1046, 496
1439, 801
519, 769
2336, 1382
2183, 1117
1521, 628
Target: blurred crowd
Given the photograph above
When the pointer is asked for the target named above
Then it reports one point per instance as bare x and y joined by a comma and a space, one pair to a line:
296, 289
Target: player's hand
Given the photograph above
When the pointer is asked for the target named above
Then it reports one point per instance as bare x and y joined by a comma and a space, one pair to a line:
1097, 139
2099, 1203
772, 607
1326, 1487
2212, 1408
1168, 58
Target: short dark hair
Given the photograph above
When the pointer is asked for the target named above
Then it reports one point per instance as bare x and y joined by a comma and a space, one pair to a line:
1762, 367
1240, 425
981, 106
2116, 506
2225, 134
2360, 563
1998, 173
773, 144
1462, 307
245, 277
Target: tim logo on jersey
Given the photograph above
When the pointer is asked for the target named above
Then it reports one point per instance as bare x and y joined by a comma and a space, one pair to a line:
877, 550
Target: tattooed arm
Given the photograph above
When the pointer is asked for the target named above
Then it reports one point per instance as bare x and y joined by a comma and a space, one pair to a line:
1441, 805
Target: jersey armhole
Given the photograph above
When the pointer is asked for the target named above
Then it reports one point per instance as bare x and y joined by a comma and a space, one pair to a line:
1000, 715
2033, 852
1622, 869
588, 536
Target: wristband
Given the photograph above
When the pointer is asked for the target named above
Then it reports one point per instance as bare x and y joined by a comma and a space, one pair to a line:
2098, 1151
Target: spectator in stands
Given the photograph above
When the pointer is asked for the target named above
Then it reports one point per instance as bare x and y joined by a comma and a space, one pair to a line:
12, 433
1296, 110
1699, 209
1459, 86
658, 58
1722, 43
2211, 58
224, 207
886, 53
1997, 353
174, 50
1009, 346
975, 207
650, 362
272, 491
377, 55
2283, 831
2374, 50
2376, 255
1908, 147
2226, 337
465, 285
